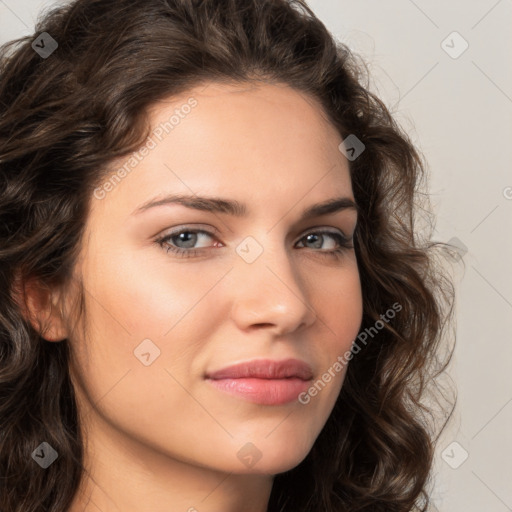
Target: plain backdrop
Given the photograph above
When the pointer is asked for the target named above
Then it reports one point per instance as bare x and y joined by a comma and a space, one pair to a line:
443, 68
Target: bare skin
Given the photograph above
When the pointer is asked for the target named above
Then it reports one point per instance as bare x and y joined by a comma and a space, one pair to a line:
159, 436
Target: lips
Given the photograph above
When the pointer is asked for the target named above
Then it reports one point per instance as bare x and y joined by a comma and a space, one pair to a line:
264, 381
265, 369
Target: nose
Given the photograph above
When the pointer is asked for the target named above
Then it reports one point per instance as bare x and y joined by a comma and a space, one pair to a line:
270, 293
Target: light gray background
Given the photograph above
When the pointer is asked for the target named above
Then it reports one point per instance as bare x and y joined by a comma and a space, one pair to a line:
458, 111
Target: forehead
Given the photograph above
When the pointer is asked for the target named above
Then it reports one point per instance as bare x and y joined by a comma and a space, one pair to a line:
215, 93
256, 111
266, 139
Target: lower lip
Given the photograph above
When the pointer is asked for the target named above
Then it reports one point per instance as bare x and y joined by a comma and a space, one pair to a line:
263, 391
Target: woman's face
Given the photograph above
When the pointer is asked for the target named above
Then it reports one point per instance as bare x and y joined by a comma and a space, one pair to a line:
247, 286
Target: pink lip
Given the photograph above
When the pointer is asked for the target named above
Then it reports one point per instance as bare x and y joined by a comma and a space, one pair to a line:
264, 381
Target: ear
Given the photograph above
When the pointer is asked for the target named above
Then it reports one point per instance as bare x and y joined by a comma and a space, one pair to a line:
41, 306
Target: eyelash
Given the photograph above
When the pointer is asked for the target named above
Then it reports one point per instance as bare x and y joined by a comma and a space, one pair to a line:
344, 243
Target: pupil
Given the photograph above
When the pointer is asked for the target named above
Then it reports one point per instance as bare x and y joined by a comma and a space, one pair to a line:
187, 234
317, 242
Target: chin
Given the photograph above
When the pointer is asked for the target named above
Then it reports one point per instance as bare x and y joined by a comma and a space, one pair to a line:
273, 458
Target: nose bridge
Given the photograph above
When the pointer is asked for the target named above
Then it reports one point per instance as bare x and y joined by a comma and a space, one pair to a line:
269, 290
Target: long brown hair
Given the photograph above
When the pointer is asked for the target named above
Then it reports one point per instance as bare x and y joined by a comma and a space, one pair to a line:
65, 115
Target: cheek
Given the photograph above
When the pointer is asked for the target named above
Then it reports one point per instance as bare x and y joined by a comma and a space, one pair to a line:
146, 324
136, 296
339, 304
151, 293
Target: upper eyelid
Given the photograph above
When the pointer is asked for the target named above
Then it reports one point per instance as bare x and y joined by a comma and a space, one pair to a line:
215, 233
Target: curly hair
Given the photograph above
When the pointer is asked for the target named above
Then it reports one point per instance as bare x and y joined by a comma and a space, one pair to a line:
65, 116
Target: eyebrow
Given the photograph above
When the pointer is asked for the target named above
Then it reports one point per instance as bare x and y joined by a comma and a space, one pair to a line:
237, 209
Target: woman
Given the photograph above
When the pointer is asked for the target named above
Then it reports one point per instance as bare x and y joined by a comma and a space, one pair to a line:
213, 295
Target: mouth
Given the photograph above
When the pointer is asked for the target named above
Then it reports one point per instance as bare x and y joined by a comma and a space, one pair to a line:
264, 381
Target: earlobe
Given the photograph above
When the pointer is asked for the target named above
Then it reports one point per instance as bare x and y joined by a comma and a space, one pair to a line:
40, 306
55, 330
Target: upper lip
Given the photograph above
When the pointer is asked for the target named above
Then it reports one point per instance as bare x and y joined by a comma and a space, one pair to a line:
265, 369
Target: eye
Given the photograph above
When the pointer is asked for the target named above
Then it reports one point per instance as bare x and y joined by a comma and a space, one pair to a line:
182, 242
317, 239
